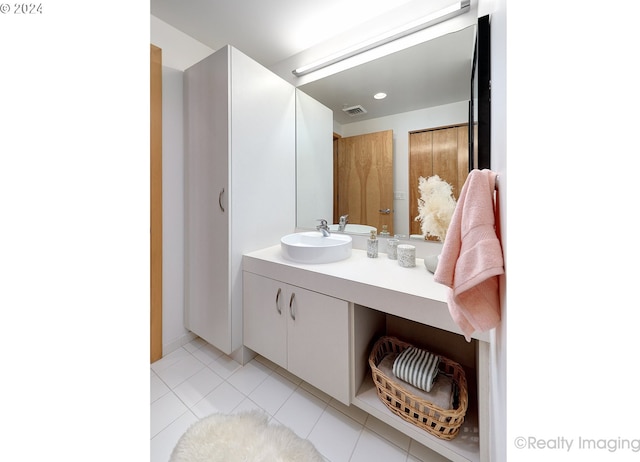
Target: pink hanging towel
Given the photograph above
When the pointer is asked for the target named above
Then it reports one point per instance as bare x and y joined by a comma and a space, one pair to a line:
471, 258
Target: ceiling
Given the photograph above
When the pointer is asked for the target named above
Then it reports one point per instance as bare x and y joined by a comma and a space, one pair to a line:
284, 34
425, 75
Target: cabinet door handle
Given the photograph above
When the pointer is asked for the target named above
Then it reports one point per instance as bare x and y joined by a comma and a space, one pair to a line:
291, 313
278, 309
385, 211
220, 199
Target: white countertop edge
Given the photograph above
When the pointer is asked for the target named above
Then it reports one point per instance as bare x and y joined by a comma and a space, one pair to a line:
377, 283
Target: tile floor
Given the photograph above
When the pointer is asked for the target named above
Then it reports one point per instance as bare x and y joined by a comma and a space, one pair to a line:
197, 380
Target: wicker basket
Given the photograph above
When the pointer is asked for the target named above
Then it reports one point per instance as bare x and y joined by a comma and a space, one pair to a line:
443, 423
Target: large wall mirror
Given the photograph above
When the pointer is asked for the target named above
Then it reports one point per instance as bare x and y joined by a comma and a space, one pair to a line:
427, 87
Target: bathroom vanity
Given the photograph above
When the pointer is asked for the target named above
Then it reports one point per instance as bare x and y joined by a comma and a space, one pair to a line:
320, 321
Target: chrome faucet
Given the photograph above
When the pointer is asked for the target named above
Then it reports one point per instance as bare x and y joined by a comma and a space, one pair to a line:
344, 219
323, 227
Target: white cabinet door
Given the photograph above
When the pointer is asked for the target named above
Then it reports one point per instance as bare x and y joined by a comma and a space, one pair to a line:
265, 317
207, 304
318, 337
305, 332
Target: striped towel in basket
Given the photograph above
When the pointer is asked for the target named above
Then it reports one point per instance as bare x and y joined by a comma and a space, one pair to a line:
417, 367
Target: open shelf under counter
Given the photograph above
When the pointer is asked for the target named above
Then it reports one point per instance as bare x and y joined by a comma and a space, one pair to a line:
465, 447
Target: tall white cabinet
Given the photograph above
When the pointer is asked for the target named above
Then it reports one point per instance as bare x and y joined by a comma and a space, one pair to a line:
239, 184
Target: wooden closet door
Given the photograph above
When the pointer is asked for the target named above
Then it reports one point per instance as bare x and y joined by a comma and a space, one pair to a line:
442, 152
420, 164
445, 156
463, 159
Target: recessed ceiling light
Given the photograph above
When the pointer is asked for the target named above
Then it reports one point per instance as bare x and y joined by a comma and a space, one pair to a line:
380, 95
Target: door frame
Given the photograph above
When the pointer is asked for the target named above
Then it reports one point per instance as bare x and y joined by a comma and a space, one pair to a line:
156, 204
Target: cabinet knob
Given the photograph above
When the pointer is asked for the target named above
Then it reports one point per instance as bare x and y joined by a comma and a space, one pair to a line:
291, 313
278, 309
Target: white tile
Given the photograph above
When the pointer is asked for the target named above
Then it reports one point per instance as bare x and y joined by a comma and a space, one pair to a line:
224, 366
223, 399
355, 413
272, 393
315, 392
247, 378
335, 435
371, 447
158, 387
164, 442
388, 432
180, 371
248, 405
170, 359
165, 410
194, 345
424, 454
197, 386
207, 353
339, 432
301, 412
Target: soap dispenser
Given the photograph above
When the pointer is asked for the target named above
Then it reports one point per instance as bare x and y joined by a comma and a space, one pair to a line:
372, 245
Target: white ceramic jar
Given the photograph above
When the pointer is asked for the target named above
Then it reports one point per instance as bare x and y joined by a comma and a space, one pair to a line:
406, 255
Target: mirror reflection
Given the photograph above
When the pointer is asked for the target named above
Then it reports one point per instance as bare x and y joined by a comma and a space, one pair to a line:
380, 147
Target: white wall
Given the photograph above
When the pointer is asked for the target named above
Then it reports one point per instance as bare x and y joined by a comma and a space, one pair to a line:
173, 332
498, 354
402, 124
179, 51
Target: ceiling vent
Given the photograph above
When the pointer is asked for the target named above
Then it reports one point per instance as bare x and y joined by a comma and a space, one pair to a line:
355, 110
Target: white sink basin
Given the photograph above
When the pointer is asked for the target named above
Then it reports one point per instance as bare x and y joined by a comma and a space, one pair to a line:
313, 247
354, 228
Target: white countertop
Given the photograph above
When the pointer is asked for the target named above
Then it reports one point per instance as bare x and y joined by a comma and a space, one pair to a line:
377, 283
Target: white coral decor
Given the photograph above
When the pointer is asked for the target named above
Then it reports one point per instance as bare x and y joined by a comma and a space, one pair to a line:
435, 206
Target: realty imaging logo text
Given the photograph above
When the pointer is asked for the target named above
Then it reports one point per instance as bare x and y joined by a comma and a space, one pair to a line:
562, 443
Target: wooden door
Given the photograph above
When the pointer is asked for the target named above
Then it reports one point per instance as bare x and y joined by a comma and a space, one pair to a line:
365, 179
442, 152
336, 211
156, 204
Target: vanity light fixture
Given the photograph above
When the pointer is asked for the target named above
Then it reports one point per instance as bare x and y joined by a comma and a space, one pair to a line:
380, 95
395, 34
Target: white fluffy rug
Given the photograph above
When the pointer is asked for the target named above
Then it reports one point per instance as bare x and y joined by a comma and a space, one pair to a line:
242, 437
